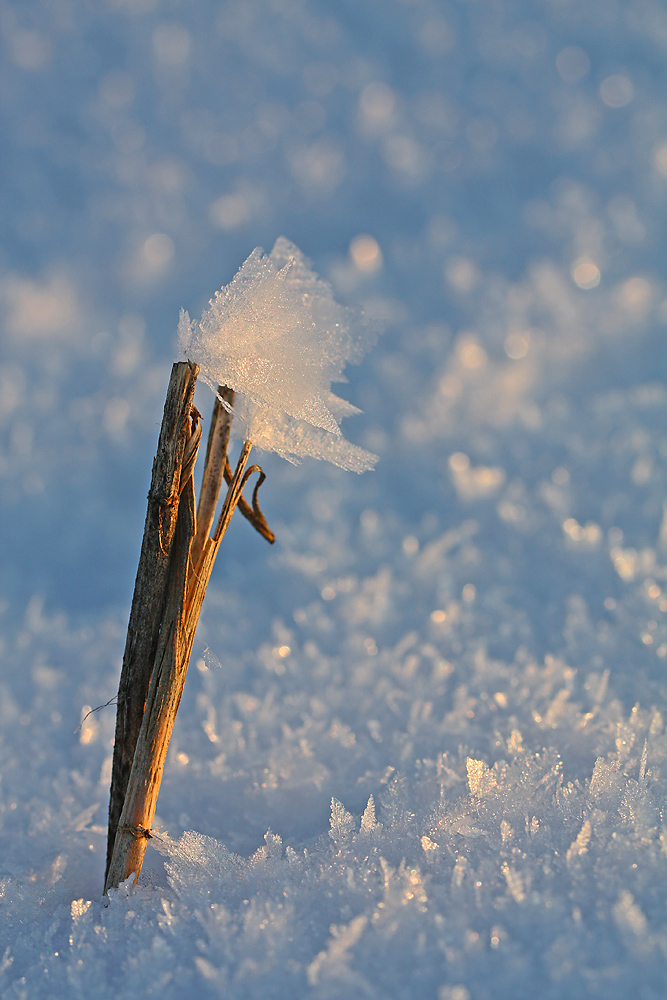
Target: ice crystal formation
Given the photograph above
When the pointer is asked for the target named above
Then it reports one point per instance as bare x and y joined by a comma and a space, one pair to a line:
276, 335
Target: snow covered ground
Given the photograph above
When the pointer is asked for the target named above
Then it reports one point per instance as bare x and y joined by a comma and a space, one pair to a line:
422, 747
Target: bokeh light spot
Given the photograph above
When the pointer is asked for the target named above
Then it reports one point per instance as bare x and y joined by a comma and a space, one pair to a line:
30, 50
461, 273
573, 64
616, 91
459, 462
230, 211
517, 344
636, 295
377, 103
585, 273
470, 353
158, 252
116, 415
366, 253
410, 545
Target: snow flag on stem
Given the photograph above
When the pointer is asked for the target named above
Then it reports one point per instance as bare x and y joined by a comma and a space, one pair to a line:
276, 335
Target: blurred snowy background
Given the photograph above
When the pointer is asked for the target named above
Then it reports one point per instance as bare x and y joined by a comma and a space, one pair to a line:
465, 650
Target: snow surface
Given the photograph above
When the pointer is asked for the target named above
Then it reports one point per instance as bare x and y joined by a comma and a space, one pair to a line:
422, 747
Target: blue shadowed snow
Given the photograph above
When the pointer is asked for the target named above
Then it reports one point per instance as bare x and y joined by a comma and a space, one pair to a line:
422, 750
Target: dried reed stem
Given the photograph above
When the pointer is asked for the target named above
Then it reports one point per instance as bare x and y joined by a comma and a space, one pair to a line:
150, 587
202, 573
185, 595
164, 695
214, 470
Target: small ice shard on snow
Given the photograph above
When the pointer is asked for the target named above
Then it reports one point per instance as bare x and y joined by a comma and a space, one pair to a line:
341, 823
276, 335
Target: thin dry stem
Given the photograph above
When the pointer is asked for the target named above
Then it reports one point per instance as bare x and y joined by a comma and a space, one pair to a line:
151, 582
214, 469
164, 695
253, 513
185, 595
201, 575
233, 493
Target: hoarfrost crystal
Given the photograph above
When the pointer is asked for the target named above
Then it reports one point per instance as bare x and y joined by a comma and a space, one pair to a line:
277, 337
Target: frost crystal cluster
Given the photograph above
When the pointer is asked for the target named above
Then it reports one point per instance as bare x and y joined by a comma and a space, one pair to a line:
277, 337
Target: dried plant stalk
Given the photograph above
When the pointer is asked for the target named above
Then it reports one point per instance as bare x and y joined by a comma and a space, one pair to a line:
164, 695
150, 586
214, 468
201, 575
185, 595
166, 608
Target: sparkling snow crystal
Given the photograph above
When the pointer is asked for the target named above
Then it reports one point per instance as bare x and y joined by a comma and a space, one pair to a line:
277, 337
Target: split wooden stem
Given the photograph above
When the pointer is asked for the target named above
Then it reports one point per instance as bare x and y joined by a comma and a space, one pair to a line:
150, 587
179, 593
214, 469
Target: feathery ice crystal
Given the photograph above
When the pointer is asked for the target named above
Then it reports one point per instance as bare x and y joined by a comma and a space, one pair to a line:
277, 337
